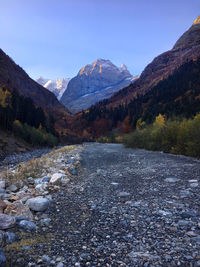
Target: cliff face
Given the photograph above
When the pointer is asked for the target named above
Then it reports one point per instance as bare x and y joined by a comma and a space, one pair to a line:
186, 48
93, 83
14, 77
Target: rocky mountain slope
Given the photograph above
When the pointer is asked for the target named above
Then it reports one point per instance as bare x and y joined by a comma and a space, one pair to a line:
186, 48
95, 82
14, 77
57, 87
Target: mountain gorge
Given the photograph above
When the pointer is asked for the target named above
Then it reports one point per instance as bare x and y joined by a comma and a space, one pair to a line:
94, 82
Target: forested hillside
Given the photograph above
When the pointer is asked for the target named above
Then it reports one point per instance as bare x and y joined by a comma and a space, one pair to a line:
19, 115
178, 95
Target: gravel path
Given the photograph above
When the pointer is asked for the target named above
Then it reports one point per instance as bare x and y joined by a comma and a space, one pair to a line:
125, 208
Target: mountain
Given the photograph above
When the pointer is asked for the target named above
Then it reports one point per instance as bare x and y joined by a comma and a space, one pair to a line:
13, 77
57, 87
186, 48
169, 85
93, 83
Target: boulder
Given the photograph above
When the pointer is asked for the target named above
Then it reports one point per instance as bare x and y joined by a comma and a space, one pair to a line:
6, 221
38, 203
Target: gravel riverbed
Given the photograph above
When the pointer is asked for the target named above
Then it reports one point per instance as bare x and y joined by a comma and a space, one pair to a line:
124, 207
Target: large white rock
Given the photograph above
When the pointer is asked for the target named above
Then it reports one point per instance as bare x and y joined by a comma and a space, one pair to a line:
56, 177
38, 203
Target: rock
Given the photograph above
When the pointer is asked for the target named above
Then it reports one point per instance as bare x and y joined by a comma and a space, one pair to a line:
41, 187
17, 209
6, 221
73, 171
30, 180
27, 225
183, 223
38, 181
46, 258
2, 258
191, 234
172, 180
10, 237
188, 214
60, 264
46, 180
12, 188
2, 191
38, 204
123, 194
2, 238
20, 218
45, 221
3, 206
2, 184
56, 178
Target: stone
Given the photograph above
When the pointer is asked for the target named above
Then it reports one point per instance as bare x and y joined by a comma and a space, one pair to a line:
38, 203
10, 237
6, 221
46, 180
46, 258
41, 187
188, 214
2, 258
60, 264
27, 225
17, 209
2, 184
30, 180
56, 178
20, 218
172, 180
123, 194
3, 206
12, 188
2, 238
45, 221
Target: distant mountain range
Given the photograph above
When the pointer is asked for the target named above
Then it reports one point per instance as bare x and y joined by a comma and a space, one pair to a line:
57, 87
94, 82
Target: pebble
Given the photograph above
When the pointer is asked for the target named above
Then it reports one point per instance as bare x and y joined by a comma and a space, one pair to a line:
27, 225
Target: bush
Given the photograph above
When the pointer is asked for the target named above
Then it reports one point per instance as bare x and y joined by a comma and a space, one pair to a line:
173, 136
36, 137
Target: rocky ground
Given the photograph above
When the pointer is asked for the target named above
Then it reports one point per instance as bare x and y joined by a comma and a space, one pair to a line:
120, 207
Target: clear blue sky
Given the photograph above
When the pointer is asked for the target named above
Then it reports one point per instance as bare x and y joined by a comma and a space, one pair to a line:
55, 38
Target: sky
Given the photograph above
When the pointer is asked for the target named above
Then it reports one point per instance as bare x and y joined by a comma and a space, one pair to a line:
56, 38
